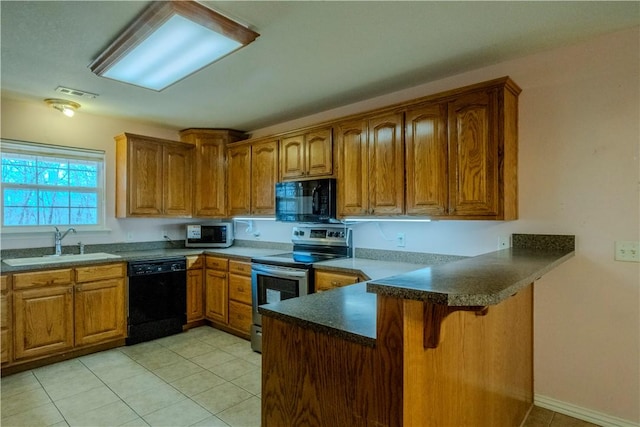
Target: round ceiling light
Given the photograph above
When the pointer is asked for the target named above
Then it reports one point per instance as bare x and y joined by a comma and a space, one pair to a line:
68, 108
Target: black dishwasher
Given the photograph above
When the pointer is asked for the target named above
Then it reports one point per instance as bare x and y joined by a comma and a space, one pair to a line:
157, 298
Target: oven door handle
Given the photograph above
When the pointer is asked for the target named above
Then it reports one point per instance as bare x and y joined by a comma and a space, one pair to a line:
278, 272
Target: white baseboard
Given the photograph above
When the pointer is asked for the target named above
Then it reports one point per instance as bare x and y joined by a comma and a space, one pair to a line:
581, 413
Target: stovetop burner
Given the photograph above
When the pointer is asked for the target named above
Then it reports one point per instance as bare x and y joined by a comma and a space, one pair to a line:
312, 244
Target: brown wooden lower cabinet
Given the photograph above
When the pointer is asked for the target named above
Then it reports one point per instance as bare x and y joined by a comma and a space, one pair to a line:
216, 290
43, 321
329, 280
431, 365
58, 312
240, 297
195, 288
6, 352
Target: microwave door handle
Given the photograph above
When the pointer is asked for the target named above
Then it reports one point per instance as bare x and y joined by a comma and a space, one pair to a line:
276, 272
315, 208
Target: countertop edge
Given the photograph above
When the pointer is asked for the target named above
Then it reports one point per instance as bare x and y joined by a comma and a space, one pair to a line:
387, 287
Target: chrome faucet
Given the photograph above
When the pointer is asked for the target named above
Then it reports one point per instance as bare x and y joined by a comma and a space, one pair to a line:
59, 236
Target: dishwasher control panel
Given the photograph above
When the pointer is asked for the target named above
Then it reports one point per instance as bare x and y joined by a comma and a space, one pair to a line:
157, 266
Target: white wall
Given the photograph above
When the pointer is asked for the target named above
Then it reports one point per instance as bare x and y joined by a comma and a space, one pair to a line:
578, 174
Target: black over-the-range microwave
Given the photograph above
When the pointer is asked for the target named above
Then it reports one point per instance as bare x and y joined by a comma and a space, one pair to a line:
306, 201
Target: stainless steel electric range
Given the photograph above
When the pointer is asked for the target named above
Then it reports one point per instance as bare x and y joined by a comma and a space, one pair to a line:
290, 275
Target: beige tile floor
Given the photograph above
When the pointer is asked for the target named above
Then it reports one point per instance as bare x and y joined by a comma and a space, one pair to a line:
203, 377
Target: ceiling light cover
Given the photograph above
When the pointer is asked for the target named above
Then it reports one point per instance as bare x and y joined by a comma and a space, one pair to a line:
168, 42
68, 108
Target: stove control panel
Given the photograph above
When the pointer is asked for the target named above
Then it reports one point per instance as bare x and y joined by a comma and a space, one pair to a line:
335, 236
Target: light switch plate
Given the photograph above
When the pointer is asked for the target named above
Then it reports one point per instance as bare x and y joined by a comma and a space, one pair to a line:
627, 250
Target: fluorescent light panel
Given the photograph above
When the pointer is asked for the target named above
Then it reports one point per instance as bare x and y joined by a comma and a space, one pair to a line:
168, 42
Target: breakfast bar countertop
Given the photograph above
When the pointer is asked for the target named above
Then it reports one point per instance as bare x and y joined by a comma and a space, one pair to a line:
488, 279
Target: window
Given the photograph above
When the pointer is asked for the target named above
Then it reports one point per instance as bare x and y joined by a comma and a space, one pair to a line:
46, 185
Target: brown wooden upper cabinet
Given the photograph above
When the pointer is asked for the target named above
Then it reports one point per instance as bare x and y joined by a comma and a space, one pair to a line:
239, 179
252, 175
426, 160
210, 197
306, 155
371, 165
461, 153
153, 177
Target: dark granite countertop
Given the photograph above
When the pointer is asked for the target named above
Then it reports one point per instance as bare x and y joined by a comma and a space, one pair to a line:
478, 281
488, 279
242, 253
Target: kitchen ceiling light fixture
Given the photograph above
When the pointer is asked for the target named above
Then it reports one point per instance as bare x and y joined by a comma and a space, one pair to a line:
169, 41
68, 108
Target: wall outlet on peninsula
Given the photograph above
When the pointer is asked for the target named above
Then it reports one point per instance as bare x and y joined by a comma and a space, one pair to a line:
400, 240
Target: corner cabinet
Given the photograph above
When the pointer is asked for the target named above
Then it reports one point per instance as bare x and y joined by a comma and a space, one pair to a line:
307, 155
209, 196
153, 177
371, 165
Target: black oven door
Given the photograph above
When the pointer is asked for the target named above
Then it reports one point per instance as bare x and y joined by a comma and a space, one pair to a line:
273, 283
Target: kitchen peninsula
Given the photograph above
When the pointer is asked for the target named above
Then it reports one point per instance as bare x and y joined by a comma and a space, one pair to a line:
445, 345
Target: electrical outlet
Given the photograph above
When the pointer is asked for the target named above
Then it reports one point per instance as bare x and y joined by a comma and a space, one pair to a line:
503, 242
130, 236
164, 233
400, 240
627, 250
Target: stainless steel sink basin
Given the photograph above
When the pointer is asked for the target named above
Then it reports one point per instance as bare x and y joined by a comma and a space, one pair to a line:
53, 259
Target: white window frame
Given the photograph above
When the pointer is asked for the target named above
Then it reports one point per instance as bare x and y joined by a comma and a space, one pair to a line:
47, 150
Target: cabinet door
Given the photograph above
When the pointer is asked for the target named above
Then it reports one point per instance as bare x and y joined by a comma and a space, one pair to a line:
217, 296
386, 165
473, 154
145, 178
292, 157
426, 160
210, 200
239, 180
177, 180
5, 321
264, 175
195, 295
99, 311
353, 176
43, 321
319, 153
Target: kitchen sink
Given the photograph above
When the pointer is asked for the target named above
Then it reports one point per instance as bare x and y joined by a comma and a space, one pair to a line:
57, 259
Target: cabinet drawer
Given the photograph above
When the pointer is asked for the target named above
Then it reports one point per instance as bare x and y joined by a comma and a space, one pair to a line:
239, 267
326, 281
216, 263
42, 278
100, 272
195, 262
240, 316
4, 283
240, 288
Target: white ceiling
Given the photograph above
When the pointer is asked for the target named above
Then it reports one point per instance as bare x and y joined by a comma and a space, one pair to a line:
311, 56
